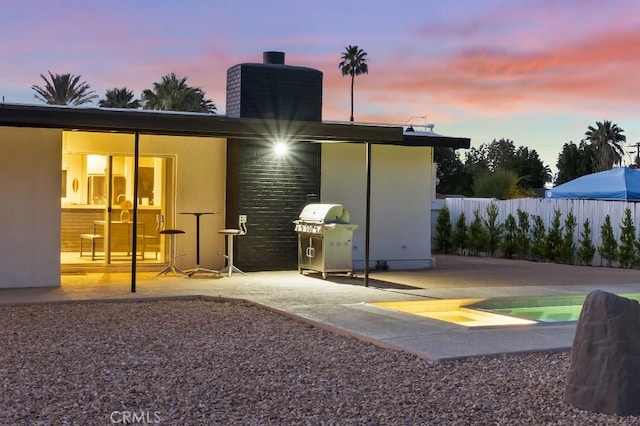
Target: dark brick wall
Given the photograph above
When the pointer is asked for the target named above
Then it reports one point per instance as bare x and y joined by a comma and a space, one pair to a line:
274, 92
271, 191
234, 91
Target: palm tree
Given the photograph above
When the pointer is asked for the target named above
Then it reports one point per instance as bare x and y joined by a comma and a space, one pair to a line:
174, 94
607, 140
119, 98
354, 62
64, 89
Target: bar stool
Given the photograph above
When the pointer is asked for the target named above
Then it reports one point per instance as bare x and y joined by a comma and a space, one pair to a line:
230, 233
172, 244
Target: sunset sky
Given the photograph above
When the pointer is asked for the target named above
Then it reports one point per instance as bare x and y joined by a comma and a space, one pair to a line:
536, 72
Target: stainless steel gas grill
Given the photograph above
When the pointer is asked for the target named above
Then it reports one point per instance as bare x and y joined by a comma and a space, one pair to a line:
324, 239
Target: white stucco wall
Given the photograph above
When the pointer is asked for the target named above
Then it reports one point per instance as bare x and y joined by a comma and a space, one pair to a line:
402, 188
30, 207
201, 170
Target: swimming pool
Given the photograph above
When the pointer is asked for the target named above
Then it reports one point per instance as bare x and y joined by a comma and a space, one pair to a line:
540, 309
503, 311
453, 311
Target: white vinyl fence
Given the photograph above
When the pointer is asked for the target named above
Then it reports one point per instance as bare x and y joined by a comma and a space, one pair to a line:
594, 210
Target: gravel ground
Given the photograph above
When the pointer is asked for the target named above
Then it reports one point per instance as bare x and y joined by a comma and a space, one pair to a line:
202, 362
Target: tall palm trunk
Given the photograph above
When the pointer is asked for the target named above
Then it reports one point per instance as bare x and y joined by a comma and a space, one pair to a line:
353, 63
353, 79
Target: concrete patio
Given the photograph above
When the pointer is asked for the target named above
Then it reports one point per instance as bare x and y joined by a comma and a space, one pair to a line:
344, 304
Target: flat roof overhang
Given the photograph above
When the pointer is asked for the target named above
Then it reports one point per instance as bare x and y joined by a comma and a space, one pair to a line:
436, 141
211, 125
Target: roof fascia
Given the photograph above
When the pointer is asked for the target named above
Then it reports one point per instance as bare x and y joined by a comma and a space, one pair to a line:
211, 125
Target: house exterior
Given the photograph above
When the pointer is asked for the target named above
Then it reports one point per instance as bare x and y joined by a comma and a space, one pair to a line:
69, 173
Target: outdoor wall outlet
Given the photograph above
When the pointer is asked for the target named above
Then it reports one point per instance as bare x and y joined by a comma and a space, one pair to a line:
243, 218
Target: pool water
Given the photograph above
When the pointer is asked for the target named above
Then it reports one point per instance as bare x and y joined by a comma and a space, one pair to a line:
540, 309
544, 313
453, 311
498, 311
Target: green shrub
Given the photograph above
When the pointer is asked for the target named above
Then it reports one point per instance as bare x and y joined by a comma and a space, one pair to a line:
554, 237
627, 247
567, 247
523, 245
501, 184
443, 230
459, 236
586, 249
509, 244
609, 248
636, 260
477, 240
538, 239
493, 228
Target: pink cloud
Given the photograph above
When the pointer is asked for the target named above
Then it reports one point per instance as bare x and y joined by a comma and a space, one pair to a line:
534, 61
598, 69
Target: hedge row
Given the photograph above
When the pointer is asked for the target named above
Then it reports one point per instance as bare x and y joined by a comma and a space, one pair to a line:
526, 237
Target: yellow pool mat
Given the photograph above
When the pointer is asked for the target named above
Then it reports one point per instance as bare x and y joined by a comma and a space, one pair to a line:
453, 311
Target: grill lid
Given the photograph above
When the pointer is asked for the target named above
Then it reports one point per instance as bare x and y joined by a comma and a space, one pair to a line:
325, 213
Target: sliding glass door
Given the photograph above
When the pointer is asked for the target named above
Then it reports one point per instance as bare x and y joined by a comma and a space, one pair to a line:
97, 207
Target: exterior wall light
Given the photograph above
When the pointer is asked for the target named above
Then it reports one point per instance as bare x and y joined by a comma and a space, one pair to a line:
281, 149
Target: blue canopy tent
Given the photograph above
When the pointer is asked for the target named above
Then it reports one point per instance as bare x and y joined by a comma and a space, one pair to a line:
622, 183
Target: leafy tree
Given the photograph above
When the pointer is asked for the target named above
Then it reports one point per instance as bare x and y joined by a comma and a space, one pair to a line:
477, 240
554, 237
502, 156
568, 247
174, 94
509, 244
575, 161
459, 237
538, 239
443, 230
586, 249
567, 164
453, 176
493, 229
609, 248
523, 238
119, 98
529, 167
476, 161
64, 89
607, 140
502, 185
490, 157
353, 63
627, 247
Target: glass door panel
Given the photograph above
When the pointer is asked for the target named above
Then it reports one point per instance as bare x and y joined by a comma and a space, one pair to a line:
97, 208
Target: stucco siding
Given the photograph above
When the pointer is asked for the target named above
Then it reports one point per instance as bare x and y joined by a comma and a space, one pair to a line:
201, 187
30, 208
401, 193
